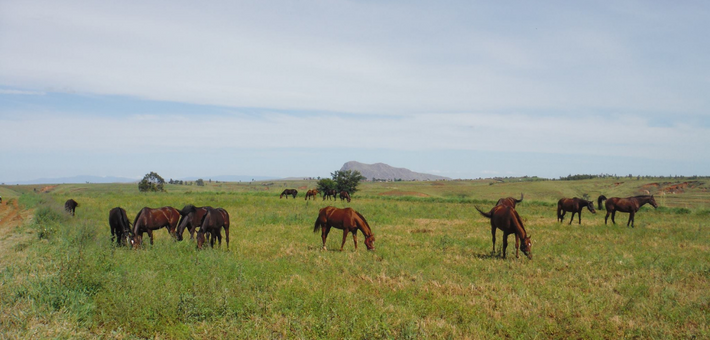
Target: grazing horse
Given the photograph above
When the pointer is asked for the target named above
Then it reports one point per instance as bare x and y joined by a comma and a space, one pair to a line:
287, 192
507, 219
575, 205
70, 206
120, 226
212, 223
344, 195
628, 205
510, 201
349, 220
601, 199
149, 219
190, 218
312, 193
328, 193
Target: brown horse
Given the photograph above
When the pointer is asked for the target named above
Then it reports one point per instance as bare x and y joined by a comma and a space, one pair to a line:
313, 193
212, 223
349, 220
120, 226
575, 205
507, 219
328, 193
628, 205
510, 201
190, 218
344, 195
70, 206
287, 192
149, 219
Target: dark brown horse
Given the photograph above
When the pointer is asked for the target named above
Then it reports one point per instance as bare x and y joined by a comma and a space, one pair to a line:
507, 219
149, 219
344, 195
212, 223
349, 220
601, 199
328, 193
628, 205
120, 226
190, 218
287, 192
510, 201
575, 205
313, 193
70, 206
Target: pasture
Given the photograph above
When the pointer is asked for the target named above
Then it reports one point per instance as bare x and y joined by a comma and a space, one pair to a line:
431, 276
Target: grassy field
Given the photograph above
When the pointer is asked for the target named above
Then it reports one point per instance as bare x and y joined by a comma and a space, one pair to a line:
432, 274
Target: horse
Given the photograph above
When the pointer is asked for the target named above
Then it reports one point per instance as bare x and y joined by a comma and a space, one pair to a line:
287, 192
601, 199
149, 219
510, 201
212, 223
349, 220
190, 218
328, 193
628, 205
70, 206
575, 205
505, 218
312, 193
344, 195
120, 226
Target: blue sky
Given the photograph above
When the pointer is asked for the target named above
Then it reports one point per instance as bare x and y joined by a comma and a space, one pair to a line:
463, 89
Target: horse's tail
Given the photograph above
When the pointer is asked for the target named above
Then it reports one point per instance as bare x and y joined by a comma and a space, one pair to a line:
601, 199
485, 214
521, 198
316, 227
559, 209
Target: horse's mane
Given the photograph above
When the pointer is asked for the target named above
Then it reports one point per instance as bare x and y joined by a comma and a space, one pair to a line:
188, 209
135, 221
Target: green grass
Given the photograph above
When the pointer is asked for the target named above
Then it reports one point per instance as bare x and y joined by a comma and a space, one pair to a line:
432, 274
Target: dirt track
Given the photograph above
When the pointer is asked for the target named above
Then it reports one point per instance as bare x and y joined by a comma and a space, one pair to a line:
11, 217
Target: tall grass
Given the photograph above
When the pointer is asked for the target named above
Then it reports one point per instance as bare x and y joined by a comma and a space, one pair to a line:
432, 275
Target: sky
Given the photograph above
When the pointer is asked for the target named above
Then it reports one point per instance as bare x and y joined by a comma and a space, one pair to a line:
463, 89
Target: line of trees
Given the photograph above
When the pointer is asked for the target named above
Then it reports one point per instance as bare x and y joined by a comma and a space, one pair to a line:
347, 180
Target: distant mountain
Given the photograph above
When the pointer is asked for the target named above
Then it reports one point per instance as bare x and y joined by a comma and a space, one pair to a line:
384, 171
78, 179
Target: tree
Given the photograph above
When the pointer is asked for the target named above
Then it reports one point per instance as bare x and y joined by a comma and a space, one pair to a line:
200, 182
326, 184
151, 182
347, 180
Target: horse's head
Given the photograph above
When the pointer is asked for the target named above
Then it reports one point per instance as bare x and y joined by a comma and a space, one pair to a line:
200, 239
652, 201
590, 206
526, 247
370, 242
136, 241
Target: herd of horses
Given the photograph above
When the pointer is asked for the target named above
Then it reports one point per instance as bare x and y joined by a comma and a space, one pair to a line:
313, 193
208, 222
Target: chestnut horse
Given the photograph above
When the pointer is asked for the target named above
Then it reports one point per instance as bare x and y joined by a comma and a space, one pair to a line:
149, 219
312, 193
628, 205
328, 193
575, 205
510, 201
349, 220
344, 195
507, 219
601, 199
120, 226
70, 206
190, 218
212, 223
287, 192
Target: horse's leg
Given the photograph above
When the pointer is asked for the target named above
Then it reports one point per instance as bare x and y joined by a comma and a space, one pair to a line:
150, 233
493, 233
607, 216
505, 243
631, 219
517, 246
571, 219
613, 214
579, 216
226, 235
355, 238
345, 237
113, 236
324, 235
